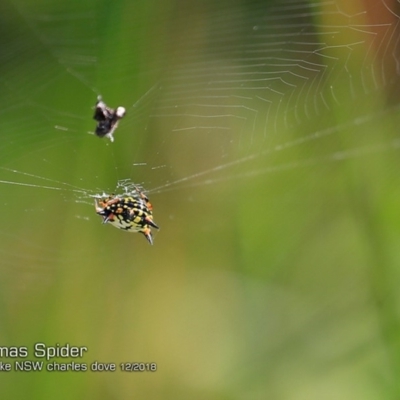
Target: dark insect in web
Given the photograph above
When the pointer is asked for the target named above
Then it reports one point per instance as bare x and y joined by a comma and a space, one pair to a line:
107, 119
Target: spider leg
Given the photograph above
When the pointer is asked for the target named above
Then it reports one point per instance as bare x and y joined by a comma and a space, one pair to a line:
96, 206
100, 211
108, 218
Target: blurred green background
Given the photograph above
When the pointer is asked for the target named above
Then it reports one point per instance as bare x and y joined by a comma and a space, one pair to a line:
276, 270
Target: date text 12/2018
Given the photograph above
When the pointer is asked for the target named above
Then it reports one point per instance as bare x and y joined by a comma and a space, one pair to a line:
138, 367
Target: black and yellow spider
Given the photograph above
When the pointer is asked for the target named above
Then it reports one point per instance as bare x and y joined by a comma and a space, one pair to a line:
130, 212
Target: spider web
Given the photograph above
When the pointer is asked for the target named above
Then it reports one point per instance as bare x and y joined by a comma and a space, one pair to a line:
263, 70
225, 102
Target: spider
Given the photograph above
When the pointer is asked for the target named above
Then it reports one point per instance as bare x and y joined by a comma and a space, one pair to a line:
131, 213
107, 119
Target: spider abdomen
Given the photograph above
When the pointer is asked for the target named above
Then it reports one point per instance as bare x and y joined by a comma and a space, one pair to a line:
129, 213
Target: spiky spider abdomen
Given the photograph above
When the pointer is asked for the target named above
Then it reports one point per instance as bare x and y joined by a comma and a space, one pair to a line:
130, 213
